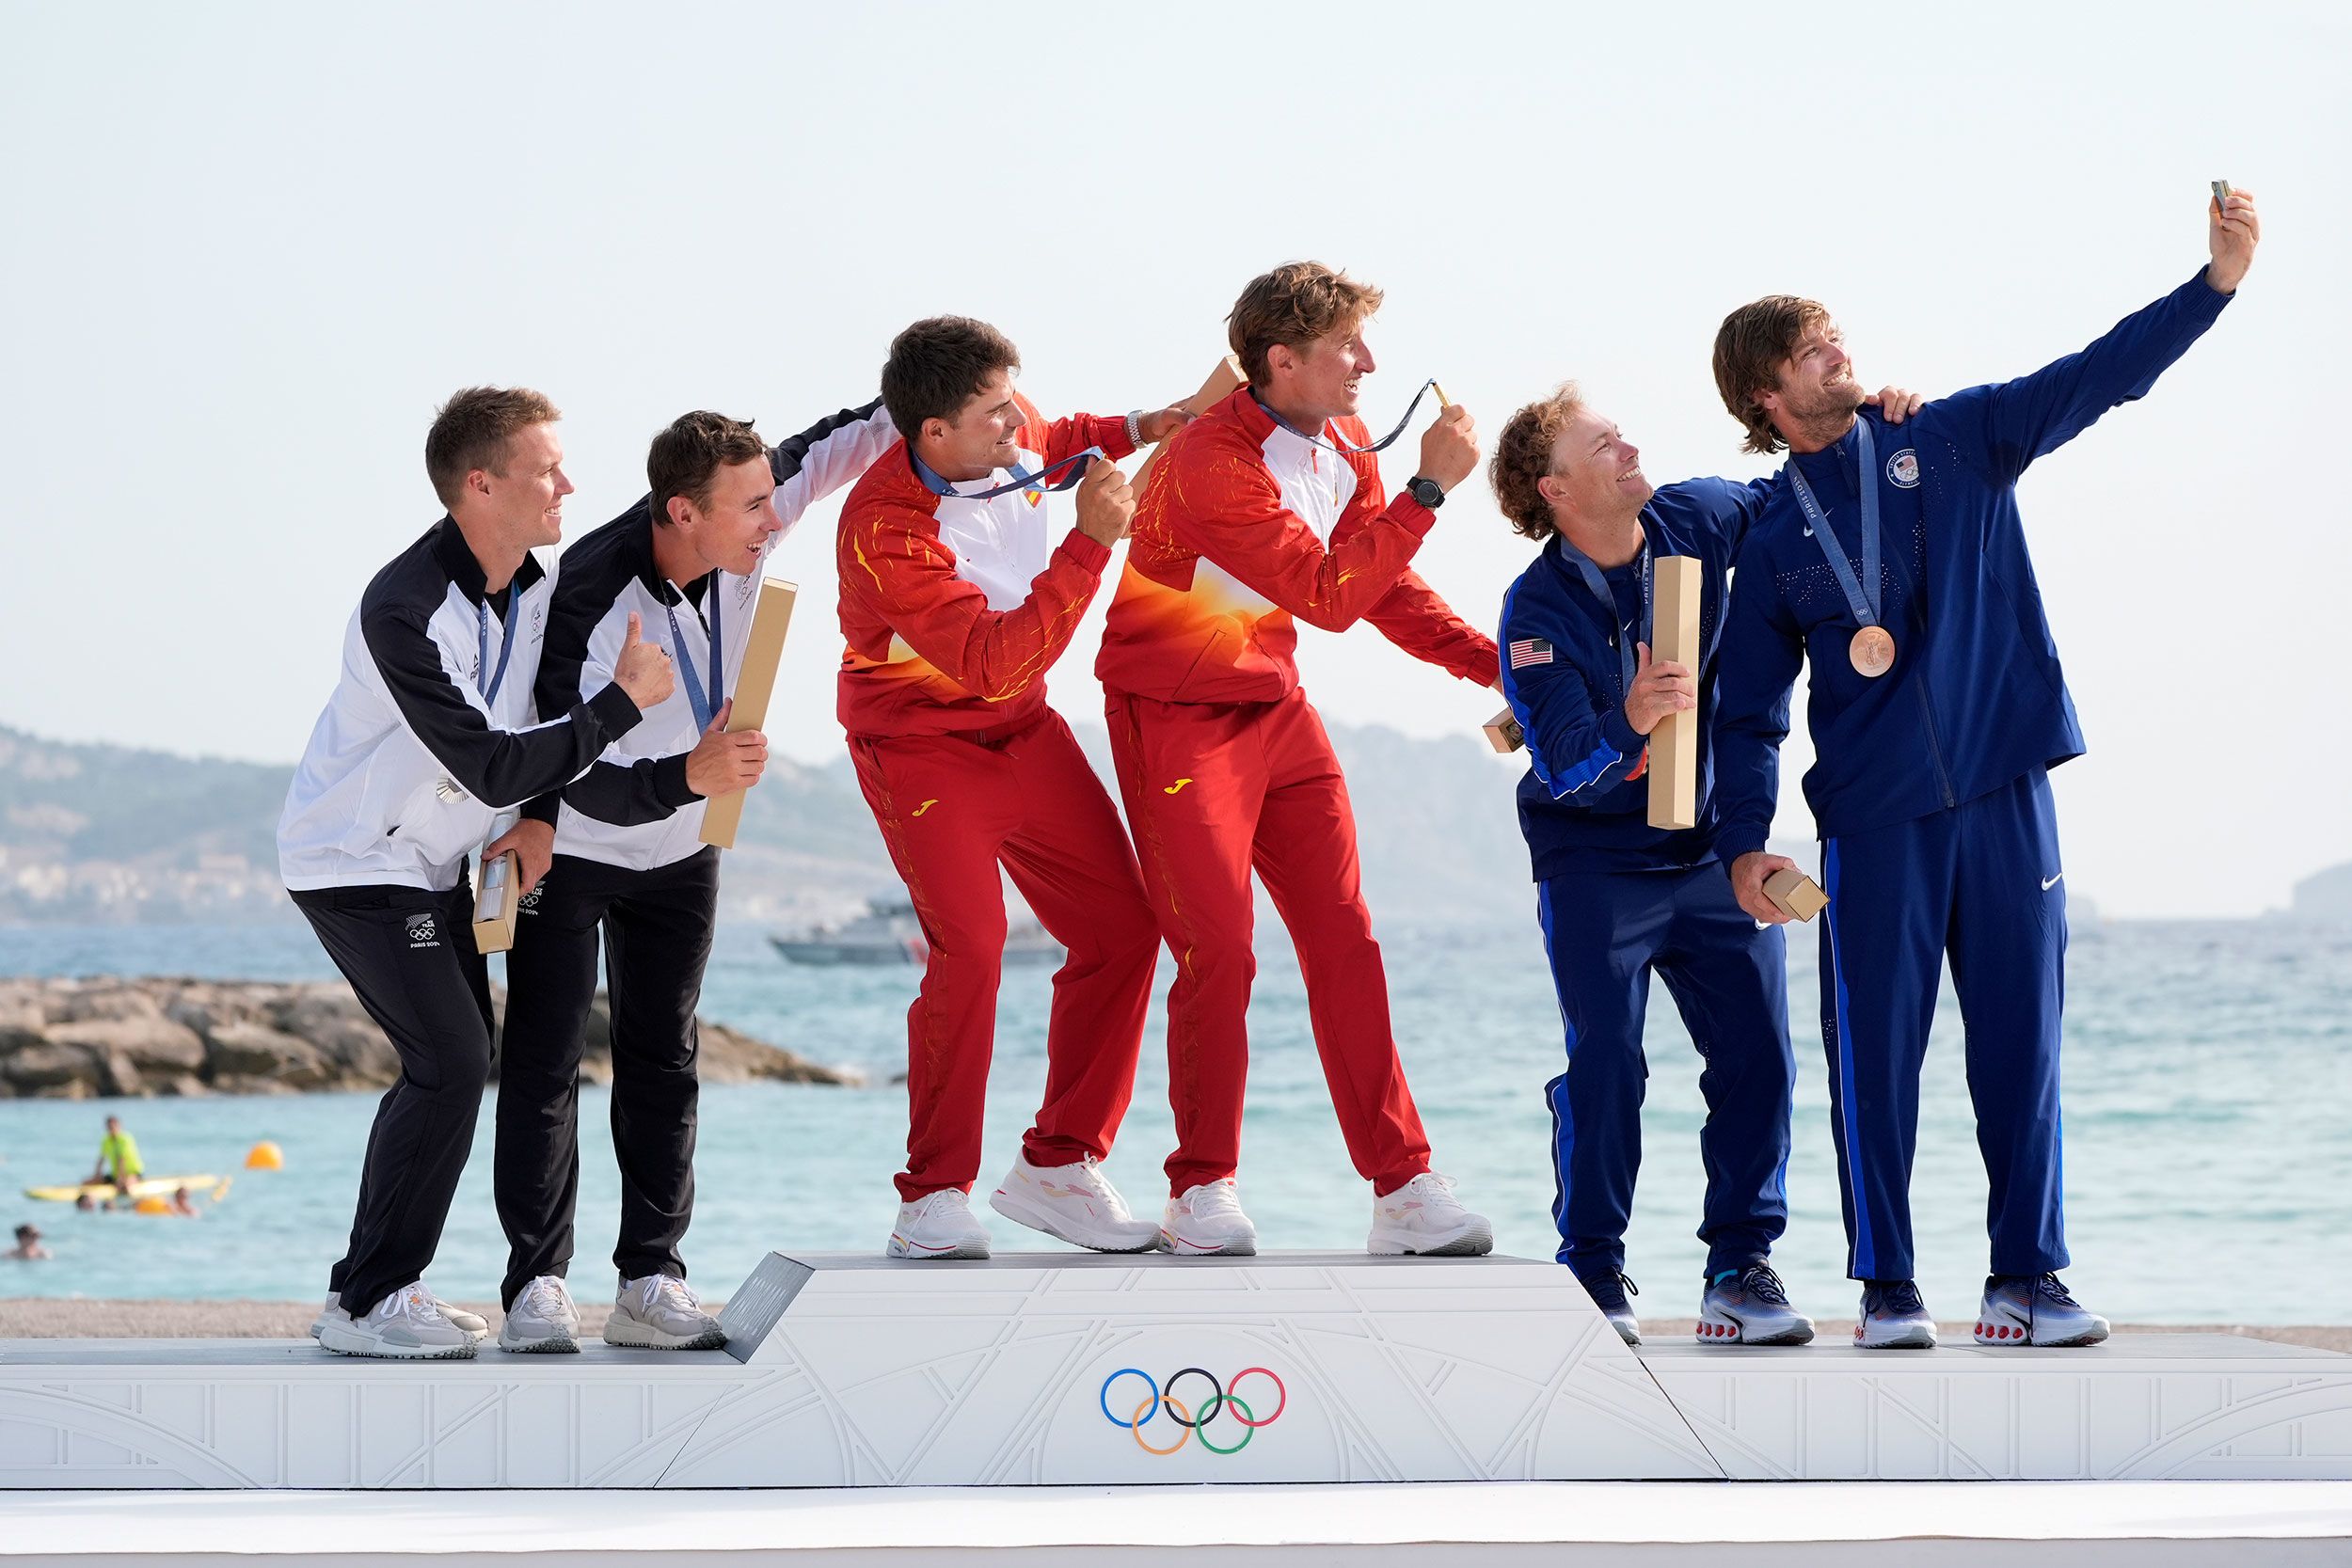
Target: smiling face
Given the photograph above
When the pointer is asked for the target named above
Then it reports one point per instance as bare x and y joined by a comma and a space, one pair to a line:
1595, 473
731, 534
522, 494
1817, 381
983, 436
1323, 377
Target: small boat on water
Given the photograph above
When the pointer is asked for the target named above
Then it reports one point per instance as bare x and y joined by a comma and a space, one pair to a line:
889, 933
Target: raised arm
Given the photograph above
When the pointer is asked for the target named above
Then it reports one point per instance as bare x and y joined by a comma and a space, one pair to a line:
2004, 427
891, 558
831, 453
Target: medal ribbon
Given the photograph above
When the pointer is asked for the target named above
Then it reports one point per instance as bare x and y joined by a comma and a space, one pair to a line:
1590, 571
1865, 605
704, 707
1022, 478
506, 648
1344, 449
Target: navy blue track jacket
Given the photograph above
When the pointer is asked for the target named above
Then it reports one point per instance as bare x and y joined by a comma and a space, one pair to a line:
1580, 806
1975, 698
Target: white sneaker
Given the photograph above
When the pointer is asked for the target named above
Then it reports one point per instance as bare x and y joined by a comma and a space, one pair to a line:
403, 1326
542, 1322
477, 1327
938, 1225
1424, 1218
656, 1312
1076, 1203
1207, 1221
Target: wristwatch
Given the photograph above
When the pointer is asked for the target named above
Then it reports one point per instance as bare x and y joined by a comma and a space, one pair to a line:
1425, 491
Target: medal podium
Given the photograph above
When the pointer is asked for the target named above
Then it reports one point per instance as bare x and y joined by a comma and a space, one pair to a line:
1067, 1369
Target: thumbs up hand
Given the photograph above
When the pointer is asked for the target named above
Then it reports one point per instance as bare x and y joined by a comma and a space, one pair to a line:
642, 669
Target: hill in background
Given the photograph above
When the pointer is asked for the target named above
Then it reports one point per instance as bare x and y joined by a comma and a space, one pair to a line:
108, 835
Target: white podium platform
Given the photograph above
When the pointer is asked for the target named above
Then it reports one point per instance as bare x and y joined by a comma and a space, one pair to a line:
1056, 1370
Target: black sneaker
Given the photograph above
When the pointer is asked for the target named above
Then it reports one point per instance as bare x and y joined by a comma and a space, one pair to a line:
1608, 1292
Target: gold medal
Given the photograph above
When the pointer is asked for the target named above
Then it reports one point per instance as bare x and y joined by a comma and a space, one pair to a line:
1872, 651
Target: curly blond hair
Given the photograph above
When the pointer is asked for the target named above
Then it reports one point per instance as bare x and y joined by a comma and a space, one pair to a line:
1524, 456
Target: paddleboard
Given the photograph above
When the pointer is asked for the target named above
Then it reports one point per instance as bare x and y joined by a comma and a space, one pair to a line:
153, 1186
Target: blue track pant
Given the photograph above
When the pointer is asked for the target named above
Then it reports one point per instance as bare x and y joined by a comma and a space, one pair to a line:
1605, 932
1981, 883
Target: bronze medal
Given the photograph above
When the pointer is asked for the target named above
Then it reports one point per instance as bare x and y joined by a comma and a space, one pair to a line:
1872, 652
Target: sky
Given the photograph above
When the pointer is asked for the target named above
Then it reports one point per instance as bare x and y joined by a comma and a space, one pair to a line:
247, 250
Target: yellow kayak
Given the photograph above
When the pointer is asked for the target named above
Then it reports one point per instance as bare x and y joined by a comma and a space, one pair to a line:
100, 1191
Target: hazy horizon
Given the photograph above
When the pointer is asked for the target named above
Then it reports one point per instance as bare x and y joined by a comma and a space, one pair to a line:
254, 245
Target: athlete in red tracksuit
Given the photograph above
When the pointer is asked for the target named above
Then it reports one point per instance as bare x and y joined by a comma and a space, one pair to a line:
1248, 522
954, 605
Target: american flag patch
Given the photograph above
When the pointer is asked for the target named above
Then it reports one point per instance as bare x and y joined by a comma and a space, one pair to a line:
1529, 650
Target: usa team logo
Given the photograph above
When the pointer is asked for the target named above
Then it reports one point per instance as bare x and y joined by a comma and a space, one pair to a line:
1902, 470
1188, 1421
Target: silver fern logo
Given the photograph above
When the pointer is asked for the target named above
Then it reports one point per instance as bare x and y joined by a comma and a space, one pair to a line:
421, 931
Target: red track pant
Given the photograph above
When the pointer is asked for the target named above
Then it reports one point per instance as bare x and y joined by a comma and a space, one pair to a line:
1213, 791
951, 811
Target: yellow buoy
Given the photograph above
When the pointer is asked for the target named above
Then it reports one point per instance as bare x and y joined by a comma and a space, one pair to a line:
265, 1156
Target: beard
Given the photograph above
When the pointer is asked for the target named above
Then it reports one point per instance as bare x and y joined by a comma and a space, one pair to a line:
1829, 402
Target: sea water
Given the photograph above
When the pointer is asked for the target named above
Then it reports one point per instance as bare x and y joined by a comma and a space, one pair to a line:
2208, 1164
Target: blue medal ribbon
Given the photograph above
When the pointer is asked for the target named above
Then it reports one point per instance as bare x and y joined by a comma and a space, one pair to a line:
1022, 478
506, 648
1590, 571
1343, 447
1864, 605
704, 707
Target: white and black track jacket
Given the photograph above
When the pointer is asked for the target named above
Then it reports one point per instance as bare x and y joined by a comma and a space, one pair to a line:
411, 767
634, 809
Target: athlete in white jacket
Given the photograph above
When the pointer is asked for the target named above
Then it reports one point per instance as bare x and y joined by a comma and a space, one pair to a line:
427, 744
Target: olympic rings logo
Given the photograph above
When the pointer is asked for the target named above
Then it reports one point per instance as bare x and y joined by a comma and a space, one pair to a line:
1189, 1426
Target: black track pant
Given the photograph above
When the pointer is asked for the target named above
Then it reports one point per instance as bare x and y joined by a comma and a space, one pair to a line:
409, 954
657, 932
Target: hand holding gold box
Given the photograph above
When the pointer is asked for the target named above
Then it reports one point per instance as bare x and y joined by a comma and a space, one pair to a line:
772, 617
1674, 743
1794, 893
494, 903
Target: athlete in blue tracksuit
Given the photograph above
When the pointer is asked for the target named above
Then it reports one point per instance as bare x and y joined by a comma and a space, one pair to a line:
1618, 898
1930, 787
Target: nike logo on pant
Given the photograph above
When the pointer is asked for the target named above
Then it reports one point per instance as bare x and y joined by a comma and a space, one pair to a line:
2049, 882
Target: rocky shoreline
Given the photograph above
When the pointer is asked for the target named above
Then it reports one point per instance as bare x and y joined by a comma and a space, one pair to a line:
81, 1040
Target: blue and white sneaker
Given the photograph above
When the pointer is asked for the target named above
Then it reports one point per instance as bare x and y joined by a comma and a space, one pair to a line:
2035, 1309
1609, 1292
1893, 1317
1750, 1307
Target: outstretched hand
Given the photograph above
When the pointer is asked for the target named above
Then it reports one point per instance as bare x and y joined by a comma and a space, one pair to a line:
2232, 232
1159, 425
